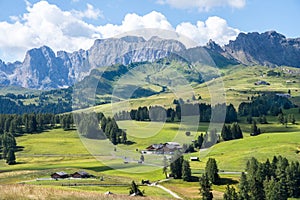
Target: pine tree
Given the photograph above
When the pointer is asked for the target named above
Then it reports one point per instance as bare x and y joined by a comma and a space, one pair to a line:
200, 140
280, 118
256, 189
134, 189
226, 133
11, 158
205, 187
236, 131
243, 188
272, 189
230, 193
254, 130
186, 171
212, 170
176, 165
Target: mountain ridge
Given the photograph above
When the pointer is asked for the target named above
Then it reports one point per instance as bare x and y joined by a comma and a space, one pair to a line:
43, 69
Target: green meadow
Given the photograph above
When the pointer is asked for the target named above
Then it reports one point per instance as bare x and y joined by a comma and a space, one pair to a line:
58, 150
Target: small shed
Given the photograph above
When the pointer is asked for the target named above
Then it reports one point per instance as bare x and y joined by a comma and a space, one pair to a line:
194, 158
57, 175
81, 174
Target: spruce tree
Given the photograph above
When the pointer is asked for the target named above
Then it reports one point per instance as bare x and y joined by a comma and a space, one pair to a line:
230, 193
186, 171
212, 170
205, 187
243, 188
272, 189
11, 158
176, 165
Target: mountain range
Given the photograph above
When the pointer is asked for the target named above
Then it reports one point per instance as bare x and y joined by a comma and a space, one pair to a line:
43, 69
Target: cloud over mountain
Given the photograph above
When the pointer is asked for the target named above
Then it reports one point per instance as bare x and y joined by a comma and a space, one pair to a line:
47, 24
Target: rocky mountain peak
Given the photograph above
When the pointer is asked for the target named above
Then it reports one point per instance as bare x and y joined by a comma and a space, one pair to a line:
43, 69
269, 48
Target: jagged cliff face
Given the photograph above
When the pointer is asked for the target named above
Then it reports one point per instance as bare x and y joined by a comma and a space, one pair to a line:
42, 69
269, 48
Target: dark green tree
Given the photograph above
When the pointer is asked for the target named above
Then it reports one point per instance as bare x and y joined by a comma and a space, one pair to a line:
280, 118
11, 158
186, 171
272, 189
243, 188
176, 165
254, 129
230, 193
236, 131
226, 133
205, 187
212, 170
134, 189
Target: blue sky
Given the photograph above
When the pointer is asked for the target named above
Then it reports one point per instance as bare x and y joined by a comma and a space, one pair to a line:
73, 24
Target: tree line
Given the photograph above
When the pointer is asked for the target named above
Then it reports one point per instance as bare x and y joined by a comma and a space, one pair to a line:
270, 180
266, 104
88, 126
201, 110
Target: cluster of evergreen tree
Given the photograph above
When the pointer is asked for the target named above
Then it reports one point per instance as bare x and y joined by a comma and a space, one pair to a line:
96, 126
112, 131
278, 179
284, 120
179, 167
231, 132
267, 104
206, 140
11, 106
209, 177
8, 146
154, 113
159, 113
27, 123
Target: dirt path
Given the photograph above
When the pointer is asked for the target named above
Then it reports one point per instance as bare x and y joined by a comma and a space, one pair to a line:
168, 191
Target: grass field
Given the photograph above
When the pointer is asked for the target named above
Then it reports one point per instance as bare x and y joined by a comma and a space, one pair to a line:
238, 86
58, 150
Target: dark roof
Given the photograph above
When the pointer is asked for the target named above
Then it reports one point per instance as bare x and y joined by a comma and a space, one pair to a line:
60, 173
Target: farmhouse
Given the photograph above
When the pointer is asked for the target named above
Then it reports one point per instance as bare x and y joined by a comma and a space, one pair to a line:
81, 174
57, 175
162, 148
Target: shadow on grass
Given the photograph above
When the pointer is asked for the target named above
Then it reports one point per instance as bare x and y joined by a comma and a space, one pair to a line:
194, 179
130, 143
99, 169
226, 181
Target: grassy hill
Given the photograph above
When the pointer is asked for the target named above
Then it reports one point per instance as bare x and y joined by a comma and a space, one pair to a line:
58, 150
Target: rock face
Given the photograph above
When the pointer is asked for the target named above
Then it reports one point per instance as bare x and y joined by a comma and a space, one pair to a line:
42, 69
269, 48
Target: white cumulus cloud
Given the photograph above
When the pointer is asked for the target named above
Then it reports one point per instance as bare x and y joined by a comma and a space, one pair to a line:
203, 5
214, 28
47, 24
